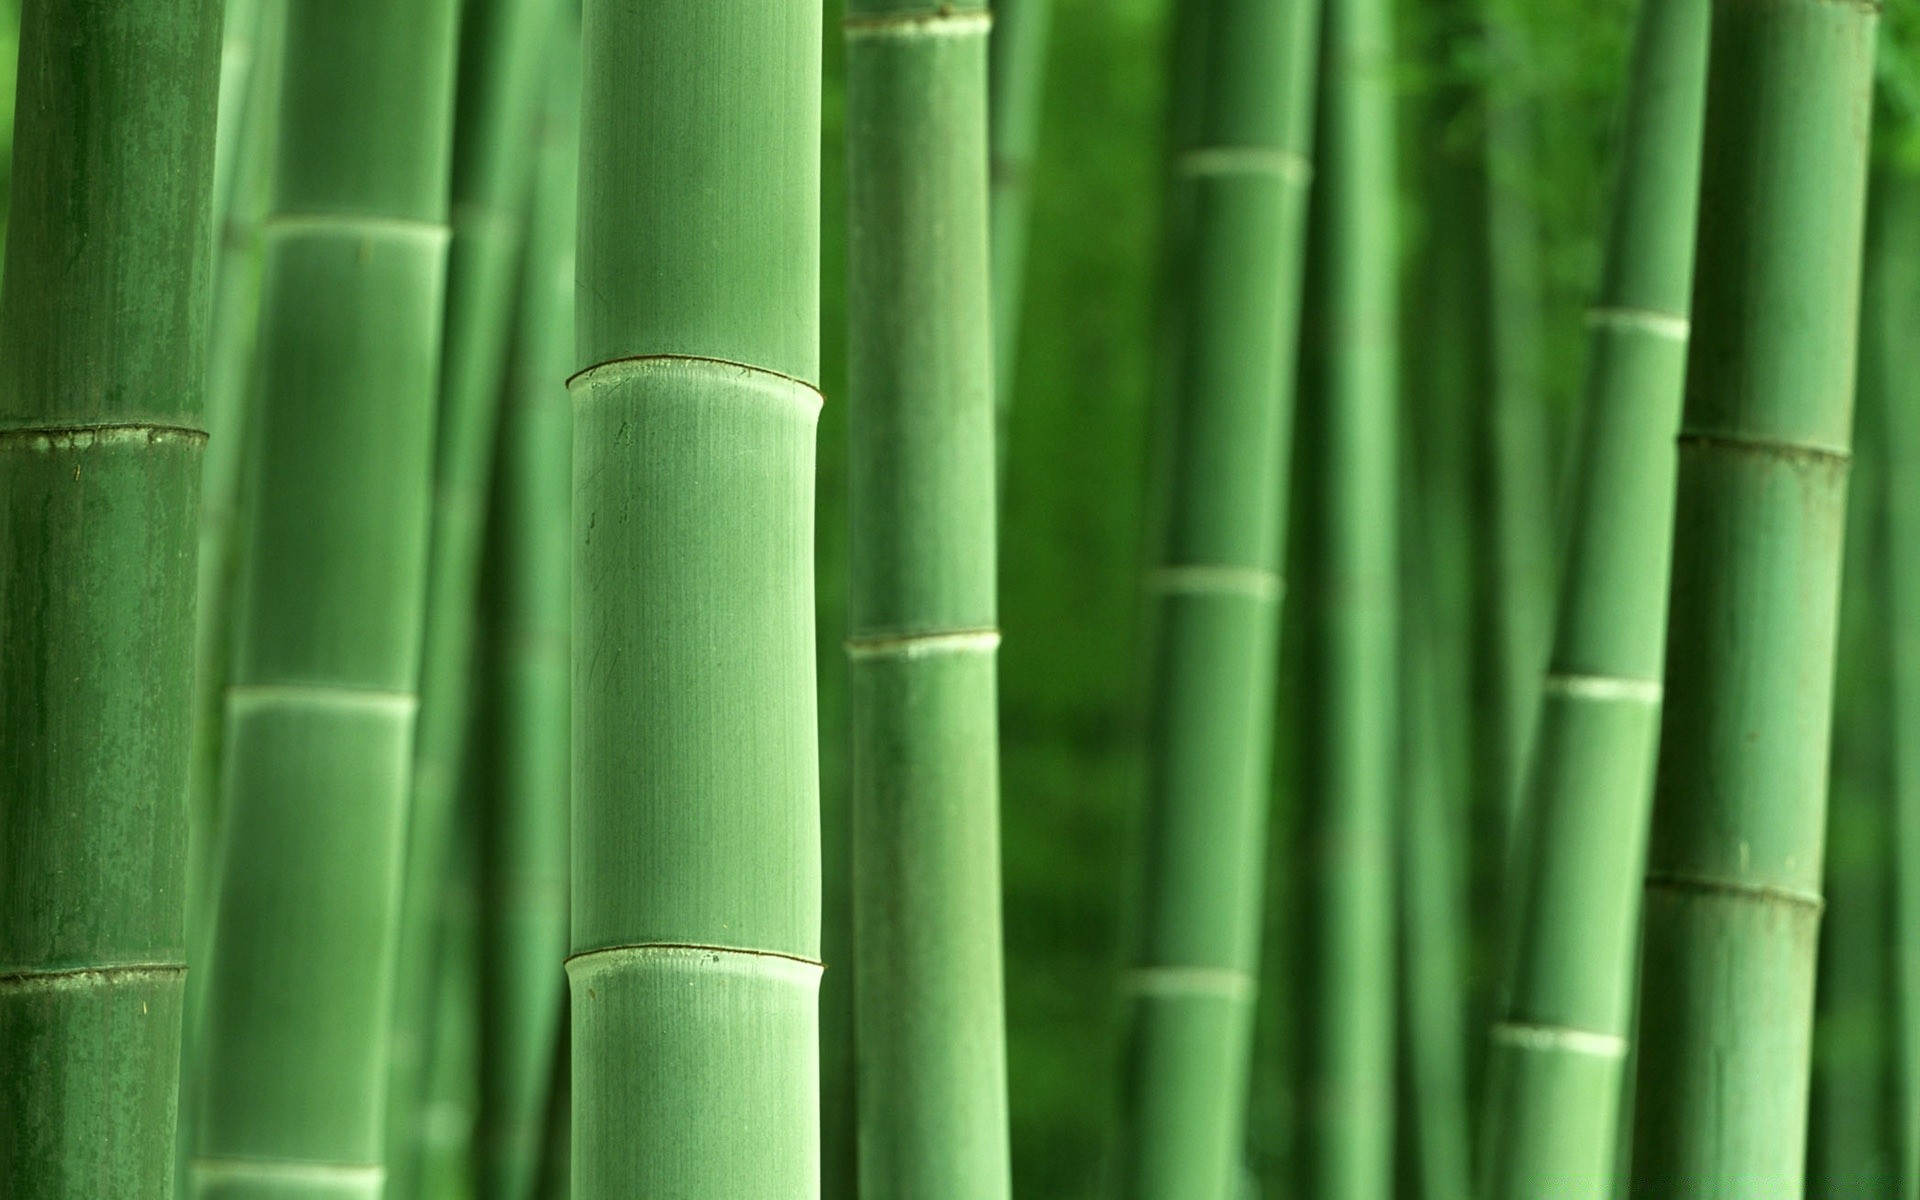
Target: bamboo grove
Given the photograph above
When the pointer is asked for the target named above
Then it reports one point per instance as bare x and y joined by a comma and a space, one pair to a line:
890, 600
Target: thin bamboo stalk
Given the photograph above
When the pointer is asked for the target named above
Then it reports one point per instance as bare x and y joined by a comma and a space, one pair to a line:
923, 636
102, 370
321, 706
524, 746
696, 840
443, 1166
1346, 520
241, 26
1016, 79
1557, 1052
504, 51
1733, 866
1240, 173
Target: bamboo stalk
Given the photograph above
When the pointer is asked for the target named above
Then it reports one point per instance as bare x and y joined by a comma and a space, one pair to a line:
1240, 173
504, 50
1345, 461
923, 635
1016, 79
102, 369
524, 745
321, 706
1557, 1052
443, 1166
1733, 864
696, 840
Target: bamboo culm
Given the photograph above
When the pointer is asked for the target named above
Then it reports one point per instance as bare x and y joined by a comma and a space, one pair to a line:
930, 1030
1732, 899
695, 968
1016, 79
323, 694
102, 371
1559, 1046
1240, 174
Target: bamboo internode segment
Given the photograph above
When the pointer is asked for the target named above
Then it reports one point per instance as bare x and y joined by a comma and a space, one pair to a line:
1016, 69
1739, 816
1553, 1103
102, 357
1239, 214
695, 741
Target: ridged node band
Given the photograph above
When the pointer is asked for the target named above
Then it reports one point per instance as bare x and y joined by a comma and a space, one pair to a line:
771, 385
923, 645
56, 979
729, 960
923, 25
1229, 983
1559, 1039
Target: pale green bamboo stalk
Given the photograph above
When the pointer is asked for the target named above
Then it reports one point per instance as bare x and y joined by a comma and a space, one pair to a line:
930, 1033
443, 1165
321, 704
1346, 520
696, 839
504, 50
240, 37
1557, 1051
1016, 82
1733, 863
1240, 172
523, 744
102, 370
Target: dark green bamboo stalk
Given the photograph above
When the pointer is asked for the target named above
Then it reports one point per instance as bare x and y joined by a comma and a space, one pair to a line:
503, 55
1347, 523
102, 368
1558, 1049
696, 839
1016, 78
321, 706
930, 1030
1733, 863
1242, 167
442, 1166
524, 745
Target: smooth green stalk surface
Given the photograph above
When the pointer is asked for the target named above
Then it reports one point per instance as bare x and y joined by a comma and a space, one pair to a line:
1016, 78
1241, 169
102, 366
503, 56
1732, 900
1558, 1048
1347, 521
523, 747
442, 1152
321, 704
930, 1029
696, 838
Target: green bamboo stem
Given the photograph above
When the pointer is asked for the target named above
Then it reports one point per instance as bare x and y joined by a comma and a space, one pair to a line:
696, 840
923, 634
1733, 864
321, 705
503, 54
1346, 459
1888, 387
1016, 81
1557, 1051
443, 1160
555, 1179
102, 366
1241, 169
240, 44
524, 744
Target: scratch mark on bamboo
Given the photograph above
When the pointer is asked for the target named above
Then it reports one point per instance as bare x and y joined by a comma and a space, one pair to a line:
1673, 326
1212, 580
1603, 687
1563, 1039
923, 645
1228, 982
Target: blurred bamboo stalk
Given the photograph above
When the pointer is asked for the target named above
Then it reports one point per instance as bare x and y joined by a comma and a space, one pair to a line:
1016, 83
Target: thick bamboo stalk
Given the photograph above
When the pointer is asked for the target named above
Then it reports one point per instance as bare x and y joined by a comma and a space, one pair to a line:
1241, 169
1346, 519
696, 840
930, 1029
1016, 78
524, 746
503, 56
1733, 866
321, 706
102, 367
1557, 1051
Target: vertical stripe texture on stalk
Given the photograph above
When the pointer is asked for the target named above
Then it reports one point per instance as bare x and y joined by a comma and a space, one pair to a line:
323, 694
1241, 169
102, 367
696, 840
523, 745
930, 1028
1732, 901
1016, 78
1559, 1046
1346, 519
